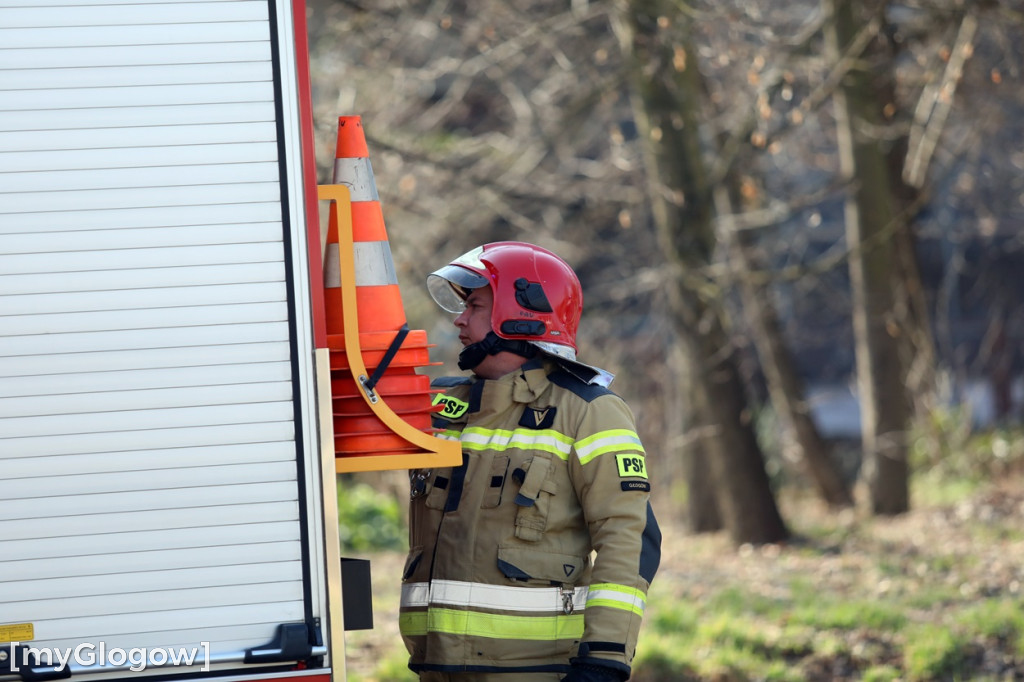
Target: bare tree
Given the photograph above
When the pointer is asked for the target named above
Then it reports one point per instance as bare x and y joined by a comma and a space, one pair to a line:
785, 385
666, 107
510, 120
872, 216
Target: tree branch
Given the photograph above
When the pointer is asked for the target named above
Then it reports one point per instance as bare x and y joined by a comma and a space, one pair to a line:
935, 103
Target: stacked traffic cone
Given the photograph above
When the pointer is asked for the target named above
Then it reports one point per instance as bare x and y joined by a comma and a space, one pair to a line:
390, 352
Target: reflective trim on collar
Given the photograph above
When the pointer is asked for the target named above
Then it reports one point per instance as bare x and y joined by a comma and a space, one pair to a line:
483, 596
615, 440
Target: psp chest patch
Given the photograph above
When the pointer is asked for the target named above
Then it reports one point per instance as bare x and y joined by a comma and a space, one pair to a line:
451, 408
631, 466
537, 418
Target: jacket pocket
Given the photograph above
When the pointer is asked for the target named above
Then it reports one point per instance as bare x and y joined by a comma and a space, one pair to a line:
548, 568
533, 500
437, 489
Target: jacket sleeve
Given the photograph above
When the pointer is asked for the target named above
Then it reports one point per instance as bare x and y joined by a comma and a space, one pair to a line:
610, 476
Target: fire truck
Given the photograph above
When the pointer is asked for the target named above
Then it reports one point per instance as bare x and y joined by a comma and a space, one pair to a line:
184, 370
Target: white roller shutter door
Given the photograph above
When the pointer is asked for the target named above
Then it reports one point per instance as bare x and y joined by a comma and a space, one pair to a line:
152, 377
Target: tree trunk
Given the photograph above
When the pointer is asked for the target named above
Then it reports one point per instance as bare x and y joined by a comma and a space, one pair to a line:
666, 96
785, 386
743, 491
702, 512
872, 219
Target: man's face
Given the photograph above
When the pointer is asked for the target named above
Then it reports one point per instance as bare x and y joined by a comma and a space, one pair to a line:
474, 322
474, 325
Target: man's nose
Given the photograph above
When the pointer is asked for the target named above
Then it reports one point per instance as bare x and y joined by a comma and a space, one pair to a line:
460, 319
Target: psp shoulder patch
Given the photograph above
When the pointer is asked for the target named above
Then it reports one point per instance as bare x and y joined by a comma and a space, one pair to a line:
631, 466
452, 408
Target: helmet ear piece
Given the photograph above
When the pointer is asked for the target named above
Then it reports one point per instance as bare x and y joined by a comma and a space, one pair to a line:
530, 295
522, 328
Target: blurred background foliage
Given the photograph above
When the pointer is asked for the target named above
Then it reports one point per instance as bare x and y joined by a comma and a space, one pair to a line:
369, 520
526, 119
828, 188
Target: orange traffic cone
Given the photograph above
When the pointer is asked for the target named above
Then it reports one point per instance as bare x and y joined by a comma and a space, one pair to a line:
380, 303
388, 350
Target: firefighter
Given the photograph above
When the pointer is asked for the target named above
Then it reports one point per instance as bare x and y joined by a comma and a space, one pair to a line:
532, 560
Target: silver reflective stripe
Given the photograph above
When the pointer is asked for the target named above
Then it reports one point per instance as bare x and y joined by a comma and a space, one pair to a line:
630, 600
495, 597
415, 594
374, 265
357, 175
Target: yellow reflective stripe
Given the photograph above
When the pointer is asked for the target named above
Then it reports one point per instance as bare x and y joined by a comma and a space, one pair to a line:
491, 625
413, 623
449, 434
617, 597
607, 441
546, 440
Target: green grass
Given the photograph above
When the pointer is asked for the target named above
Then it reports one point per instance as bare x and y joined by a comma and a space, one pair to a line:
739, 633
891, 609
841, 614
933, 651
996, 619
934, 488
392, 669
882, 673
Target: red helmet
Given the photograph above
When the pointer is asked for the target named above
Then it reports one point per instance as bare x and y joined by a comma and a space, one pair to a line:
537, 296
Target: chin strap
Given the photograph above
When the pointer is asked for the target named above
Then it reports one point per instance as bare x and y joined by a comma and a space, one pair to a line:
475, 353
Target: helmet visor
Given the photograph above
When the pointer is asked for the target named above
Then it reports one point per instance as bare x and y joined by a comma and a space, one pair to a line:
449, 286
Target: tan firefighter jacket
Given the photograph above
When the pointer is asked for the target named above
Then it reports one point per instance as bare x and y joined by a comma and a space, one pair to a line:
499, 575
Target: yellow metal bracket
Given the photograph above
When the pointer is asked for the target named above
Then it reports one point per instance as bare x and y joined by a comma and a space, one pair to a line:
437, 452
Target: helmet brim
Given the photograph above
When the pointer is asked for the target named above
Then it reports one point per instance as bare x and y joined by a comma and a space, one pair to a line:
451, 285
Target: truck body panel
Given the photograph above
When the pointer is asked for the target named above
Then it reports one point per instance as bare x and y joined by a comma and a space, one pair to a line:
162, 480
